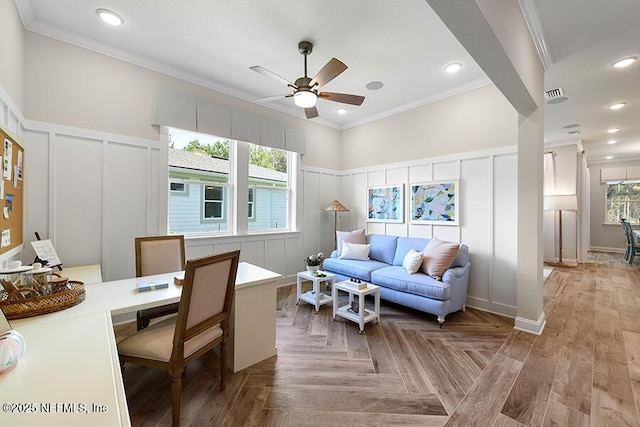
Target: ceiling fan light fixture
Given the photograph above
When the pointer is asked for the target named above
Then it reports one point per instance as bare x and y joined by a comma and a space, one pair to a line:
305, 99
110, 17
625, 62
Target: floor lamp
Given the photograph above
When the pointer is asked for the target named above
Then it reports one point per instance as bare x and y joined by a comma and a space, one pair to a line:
335, 207
560, 203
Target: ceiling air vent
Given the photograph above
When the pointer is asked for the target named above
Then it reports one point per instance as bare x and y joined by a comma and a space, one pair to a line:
554, 96
574, 133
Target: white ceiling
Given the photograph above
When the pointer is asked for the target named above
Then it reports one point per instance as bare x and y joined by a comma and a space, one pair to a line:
213, 43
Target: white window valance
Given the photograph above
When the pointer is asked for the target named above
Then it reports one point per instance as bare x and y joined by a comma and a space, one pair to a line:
631, 173
201, 115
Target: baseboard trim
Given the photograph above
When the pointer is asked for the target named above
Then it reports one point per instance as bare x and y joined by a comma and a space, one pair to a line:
605, 249
531, 326
492, 307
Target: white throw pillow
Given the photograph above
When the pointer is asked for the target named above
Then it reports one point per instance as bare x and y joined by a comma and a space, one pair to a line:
412, 261
355, 236
355, 251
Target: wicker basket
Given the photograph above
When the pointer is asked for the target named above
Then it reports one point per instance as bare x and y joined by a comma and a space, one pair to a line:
15, 307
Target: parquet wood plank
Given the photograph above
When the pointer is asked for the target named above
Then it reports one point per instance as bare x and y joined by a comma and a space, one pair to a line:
609, 410
517, 345
354, 401
504, 421
317, 379
559, 415
352, 419
486, 397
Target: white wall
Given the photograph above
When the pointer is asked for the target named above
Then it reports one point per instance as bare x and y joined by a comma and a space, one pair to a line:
12, 48
604, 237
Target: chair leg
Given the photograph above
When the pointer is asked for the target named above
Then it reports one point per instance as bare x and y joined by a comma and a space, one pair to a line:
176, 391
223, 365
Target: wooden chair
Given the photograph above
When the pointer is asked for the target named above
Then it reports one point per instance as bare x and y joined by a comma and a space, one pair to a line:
626, 225
202, 324
158, 255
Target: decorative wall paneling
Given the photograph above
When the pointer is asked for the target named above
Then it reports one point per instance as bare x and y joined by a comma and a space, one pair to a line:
488, 214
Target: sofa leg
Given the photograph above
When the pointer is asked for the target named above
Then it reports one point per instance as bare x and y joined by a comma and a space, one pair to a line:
440, 321
464, 308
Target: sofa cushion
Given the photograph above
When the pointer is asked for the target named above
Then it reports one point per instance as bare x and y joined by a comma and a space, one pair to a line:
406, 243
413, 261
355, 236
355, 251
352, 268
397, 278
438, 256
383, 247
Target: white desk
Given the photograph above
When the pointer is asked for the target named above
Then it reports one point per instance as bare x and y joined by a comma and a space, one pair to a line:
71, 351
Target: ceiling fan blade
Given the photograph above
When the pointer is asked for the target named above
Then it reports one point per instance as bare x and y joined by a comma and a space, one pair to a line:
330, 71
273, 76
311, 112
345, 98
273, 98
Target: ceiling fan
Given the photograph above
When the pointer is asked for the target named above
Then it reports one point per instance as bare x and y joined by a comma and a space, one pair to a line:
305, 90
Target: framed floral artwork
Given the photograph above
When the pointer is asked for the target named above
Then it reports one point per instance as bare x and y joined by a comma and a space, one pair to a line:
385, 204
435, 203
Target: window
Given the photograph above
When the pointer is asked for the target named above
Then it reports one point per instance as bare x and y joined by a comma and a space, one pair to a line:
213, 202
178, 187
269, 183
623, 201
251, 208
204, 193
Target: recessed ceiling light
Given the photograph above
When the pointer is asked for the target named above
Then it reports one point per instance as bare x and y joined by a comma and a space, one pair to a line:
611, 141
609, 157
612, 130
625, 62
341, 111
374, 85
453, 68
617, 106
110, 17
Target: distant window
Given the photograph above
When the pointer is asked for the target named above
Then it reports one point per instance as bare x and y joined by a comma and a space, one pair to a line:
213, 201
178, 187
251, 208
623, 201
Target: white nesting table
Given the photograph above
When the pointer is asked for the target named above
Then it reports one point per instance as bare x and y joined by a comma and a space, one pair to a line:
314, 297
363, 316
71, 355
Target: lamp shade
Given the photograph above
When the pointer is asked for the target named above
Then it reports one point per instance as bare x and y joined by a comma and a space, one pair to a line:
336, 206
561, 202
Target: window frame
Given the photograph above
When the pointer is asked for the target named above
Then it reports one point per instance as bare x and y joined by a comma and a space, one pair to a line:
631, 220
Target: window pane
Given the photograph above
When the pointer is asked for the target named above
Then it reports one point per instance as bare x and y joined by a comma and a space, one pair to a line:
198, 162
623, 201
177, 186
269, 195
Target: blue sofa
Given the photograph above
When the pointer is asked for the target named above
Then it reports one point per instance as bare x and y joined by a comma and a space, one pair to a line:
419, 291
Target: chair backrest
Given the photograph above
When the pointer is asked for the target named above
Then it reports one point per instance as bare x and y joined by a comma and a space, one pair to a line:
159, 254
207, 295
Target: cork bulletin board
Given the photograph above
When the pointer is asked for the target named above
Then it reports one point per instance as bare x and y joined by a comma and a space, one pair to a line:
11, 192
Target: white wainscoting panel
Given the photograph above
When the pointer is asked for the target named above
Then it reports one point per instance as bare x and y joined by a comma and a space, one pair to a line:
77, 211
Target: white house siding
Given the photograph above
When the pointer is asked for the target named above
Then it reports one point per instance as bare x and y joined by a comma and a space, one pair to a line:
271, 209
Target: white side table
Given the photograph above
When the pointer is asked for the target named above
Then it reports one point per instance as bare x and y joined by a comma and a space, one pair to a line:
314, 297
363, 316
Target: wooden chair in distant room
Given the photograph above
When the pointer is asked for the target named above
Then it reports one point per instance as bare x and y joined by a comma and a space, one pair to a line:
158, 255
202, 324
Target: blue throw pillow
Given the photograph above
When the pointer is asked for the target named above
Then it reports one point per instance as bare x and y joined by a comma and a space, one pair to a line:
383, 247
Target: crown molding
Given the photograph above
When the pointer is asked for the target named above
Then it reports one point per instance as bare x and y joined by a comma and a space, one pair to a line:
534, 24
25, 12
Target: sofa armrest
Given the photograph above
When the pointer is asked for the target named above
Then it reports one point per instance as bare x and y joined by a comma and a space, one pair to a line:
334, 254
458, 280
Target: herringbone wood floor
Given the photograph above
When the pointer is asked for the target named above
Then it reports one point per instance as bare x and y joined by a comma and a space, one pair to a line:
475, 371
